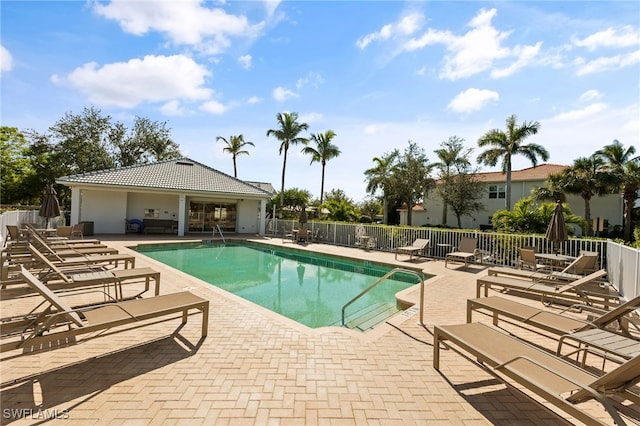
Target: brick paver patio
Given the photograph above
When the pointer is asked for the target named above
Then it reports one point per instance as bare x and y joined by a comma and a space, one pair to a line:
256, 367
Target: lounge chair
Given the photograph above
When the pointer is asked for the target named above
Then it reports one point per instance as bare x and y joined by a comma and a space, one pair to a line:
62, 323
585, 289
302, 235
559, 382
79, 276
100, 259
419, 246
77, 231
69, 250
617, 341
464, 252
575, 270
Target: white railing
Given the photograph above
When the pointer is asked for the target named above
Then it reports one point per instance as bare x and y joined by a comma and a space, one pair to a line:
623, 269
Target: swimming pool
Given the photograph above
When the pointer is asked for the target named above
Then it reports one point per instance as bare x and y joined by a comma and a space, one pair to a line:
307, 287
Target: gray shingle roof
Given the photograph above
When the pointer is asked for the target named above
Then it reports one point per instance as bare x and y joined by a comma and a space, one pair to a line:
174, 175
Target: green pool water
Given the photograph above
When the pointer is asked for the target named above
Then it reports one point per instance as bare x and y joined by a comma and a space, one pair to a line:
306, 287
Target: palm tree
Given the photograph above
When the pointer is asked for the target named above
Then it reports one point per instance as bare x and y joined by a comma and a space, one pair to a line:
625, 173
235, 145
507, 144
378, 178
451, 157
287, 134
587, 178
552, 189
323, 152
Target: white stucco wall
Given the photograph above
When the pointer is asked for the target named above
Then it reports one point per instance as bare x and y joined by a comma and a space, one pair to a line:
106, 209
247, 216
166, 204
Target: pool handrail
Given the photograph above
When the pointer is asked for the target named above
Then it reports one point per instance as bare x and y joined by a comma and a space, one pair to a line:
378, 282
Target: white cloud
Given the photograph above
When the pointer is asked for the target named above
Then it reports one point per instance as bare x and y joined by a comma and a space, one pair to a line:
185, 22
311, 79
310, 117
254, 100
214, 107
605, 63
6, 60
371, 129
407, 25
281, 94
150, 79
472, 100
173, 108
590, 95
477, 50
580, 114
245, 61
626, 36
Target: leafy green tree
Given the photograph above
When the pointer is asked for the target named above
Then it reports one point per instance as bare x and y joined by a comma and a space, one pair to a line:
288, 134
463, 192
235, 146
323, 152
529, 217
453, 159
295, 200
82, 142
624, 171
371, 208
505, 144
155, 137
551, 191
378, 178
16, 168
586, 177
410, 180
340, 207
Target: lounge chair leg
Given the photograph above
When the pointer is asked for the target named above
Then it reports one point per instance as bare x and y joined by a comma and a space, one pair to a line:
436, 349
205, 319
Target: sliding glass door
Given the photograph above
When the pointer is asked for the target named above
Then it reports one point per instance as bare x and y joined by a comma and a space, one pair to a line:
204, 216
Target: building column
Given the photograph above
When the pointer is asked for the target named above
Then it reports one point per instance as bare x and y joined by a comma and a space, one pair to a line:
76, 202
263, 217
182, 212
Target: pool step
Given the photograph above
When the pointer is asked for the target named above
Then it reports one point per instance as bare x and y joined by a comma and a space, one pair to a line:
369, 317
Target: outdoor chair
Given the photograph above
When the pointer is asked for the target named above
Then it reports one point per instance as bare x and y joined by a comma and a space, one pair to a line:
60, 323
528, 260
588, 289
14, 234
553, 378
103, 259
302, 235
77, 231
66, 250
288, 235
362, 239
585, 264
609, 333
419, 247
465, 252
63, 231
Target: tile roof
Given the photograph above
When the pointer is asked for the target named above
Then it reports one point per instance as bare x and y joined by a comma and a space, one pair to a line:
183, 174
538, 173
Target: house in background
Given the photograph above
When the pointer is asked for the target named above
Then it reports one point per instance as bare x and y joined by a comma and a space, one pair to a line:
194, 197
607, 208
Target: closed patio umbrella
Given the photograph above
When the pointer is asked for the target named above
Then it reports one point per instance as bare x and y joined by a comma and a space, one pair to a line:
557, 229
303, 216
50, 206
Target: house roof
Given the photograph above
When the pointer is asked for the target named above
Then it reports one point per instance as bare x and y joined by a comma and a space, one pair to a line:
537, 173
264, 185
182, 174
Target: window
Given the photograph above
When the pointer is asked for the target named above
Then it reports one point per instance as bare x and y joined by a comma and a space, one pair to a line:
496, 191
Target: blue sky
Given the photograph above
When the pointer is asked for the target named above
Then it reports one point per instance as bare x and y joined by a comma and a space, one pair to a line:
376, 73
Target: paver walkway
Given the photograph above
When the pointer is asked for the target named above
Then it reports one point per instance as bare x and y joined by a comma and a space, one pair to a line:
256, 367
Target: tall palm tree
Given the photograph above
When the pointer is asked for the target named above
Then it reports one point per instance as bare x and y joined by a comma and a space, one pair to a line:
625, 173
586, 177
287, 134
452, 155
235, 146
323, 152
551, 191
378, 178
507, 144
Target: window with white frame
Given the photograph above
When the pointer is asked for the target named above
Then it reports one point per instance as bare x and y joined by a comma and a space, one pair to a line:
496, 191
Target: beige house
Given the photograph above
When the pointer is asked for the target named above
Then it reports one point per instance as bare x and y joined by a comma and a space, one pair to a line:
179, 196
608, 208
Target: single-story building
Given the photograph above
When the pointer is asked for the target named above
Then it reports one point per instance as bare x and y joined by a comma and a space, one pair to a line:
606, 209
179, 196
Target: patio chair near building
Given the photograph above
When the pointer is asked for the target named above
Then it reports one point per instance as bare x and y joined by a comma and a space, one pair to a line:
558, 381
62, 323
528, 260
